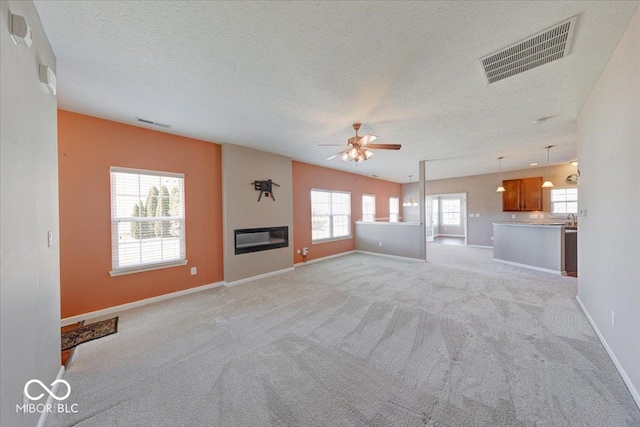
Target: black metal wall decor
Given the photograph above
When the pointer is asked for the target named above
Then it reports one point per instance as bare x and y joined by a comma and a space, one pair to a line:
265, 187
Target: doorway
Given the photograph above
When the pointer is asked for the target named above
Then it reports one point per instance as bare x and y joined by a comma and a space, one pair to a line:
446, 219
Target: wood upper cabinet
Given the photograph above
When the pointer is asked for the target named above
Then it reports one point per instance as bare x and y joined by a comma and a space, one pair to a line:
522, 194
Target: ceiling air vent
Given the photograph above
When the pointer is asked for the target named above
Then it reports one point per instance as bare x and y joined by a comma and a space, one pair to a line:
152, 123
539, 49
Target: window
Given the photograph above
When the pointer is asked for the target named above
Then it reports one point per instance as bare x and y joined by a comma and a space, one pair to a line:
394, 209
330, 214
139, 241
564, 200
450, 211
368, 208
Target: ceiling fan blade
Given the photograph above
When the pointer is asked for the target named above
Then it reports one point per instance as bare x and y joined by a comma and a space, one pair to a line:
335, 155
330, 145
385, 146
366, 139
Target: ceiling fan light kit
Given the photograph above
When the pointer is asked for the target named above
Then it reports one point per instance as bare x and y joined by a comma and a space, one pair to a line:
359, 147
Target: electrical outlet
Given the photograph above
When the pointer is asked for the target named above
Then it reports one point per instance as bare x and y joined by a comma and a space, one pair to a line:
583, 212
477, 215
471, 215
194, 271
613, 318
533, 216
513, 217
491, 238
299, 251
380, 244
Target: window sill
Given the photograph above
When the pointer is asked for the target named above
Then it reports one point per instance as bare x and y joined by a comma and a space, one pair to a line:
149, 267
333, 239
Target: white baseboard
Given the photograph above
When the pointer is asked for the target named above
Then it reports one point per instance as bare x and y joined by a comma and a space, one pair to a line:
531, 267
449, 235
614, 359
324, 258
118, 308
259, 276
480, 246
405, 258
43, 415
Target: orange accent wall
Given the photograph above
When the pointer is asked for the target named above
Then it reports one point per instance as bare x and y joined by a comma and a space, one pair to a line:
87, 148
306, 177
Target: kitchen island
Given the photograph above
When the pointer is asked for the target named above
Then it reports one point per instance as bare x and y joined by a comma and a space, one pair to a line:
539, 246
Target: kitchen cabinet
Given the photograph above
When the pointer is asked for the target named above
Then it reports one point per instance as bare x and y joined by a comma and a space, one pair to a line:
523, 194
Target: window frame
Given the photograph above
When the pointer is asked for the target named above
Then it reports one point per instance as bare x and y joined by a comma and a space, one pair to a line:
332, 237
115, 220
555, 214
393, 206
371, 214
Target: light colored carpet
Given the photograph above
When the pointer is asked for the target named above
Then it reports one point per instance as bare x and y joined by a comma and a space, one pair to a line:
358, 340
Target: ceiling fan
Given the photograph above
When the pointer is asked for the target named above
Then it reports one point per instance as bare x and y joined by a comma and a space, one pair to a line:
359, 147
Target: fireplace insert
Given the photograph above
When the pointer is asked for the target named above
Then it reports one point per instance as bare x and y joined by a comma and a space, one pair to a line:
261, 239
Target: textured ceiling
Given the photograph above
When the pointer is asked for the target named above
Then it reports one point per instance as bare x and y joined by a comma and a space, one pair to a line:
286, 76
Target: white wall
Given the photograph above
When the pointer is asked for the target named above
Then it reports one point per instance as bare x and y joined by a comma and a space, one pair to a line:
391, 238
240, 167
609, 237
29, 283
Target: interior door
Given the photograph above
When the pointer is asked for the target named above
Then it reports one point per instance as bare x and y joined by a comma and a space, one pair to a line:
429, 220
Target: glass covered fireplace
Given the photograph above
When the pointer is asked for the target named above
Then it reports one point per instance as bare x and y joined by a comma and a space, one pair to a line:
261, 239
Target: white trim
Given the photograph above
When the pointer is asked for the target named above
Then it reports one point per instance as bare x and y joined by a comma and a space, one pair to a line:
406, 258
531, 267
623, 374
135, 304
259, 276
133, 171
449, 235
480, 246
149, 267
360, 222
44, 414
324, 258
331, 239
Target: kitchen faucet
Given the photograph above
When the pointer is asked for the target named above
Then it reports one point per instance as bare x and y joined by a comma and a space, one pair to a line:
572, 219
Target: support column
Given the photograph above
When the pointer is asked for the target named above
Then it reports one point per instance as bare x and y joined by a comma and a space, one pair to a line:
422, 202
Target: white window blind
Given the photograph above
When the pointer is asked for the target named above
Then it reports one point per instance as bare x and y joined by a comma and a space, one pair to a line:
394, 209
564, 200
330, 214
147, 220
368, 208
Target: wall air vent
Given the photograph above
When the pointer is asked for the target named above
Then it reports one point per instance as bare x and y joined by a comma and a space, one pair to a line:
539, 49
152, 123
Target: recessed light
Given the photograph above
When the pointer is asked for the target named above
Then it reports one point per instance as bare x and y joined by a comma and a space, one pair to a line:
533, 164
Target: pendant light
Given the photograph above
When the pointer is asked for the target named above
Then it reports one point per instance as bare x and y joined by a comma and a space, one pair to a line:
548, 183
500, 187
410, 202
